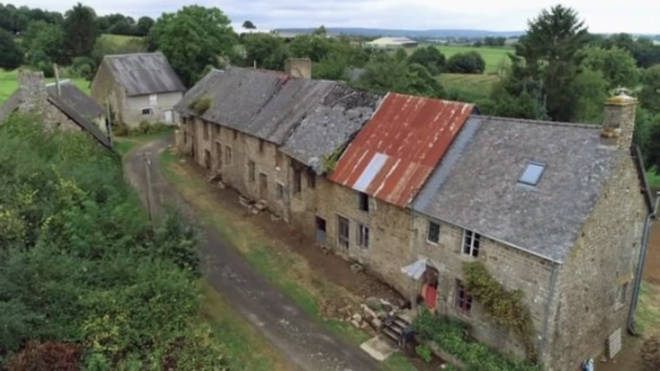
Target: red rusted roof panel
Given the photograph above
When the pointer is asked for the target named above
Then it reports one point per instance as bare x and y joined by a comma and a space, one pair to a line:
399, 147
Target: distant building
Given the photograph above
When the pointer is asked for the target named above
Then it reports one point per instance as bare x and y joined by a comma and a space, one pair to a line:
138, 87
393, 42
61, 106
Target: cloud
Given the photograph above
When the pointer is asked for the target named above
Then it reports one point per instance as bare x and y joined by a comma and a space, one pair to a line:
639, 16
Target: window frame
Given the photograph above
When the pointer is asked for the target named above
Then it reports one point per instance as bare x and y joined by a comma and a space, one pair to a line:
251, 171
527, 166
297, 181
148, 111
363, 235
463, 300
469, 249
363, 202
206, 130
437, 234
228, 155
280, 191
343, 241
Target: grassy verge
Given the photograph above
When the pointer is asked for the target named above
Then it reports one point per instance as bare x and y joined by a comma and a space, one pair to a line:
247, 349
495, 57
468, 87
276, 262
125, 144
648, 311
654, 180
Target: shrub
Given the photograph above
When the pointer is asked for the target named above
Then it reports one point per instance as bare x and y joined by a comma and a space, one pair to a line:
469, 62
46, 356
424, 352
200, 105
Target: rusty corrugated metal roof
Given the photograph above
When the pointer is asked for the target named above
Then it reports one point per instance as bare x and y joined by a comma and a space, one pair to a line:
399, 147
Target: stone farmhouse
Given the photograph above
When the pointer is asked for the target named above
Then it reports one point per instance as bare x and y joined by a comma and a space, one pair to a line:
61, 104
138, 87
413, 188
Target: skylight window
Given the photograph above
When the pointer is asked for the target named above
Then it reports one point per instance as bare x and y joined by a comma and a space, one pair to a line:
532, 174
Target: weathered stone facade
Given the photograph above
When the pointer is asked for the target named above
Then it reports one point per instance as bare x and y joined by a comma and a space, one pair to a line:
35, 100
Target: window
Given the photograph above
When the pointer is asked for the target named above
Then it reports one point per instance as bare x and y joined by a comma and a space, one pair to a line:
217, 130
206, 130
363, 236
146, 112
363, 201
278, 158
342, 231
532, 174
463, 298
280, 191
218, 154
227, 155
297, 181
434, 232
311, 180
235, 133
251, 171
261, 146
471, 243
153, 99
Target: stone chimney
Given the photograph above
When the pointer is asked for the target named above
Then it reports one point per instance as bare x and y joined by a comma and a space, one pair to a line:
300, 68
619, 120
34, 95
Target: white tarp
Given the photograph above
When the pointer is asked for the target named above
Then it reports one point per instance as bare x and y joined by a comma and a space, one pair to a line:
416, 269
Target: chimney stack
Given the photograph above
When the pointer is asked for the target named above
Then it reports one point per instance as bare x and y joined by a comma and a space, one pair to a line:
33, 91
300, 68
619, 120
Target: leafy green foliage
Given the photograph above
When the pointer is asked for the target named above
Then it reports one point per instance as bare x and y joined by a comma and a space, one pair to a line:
385, 73
617, 66
451, 336
469, 62
424, 352
80, 30
81, 263
249, 25
429, 57
591, 90
12, 54
267, 51
505, 307
192, 39
45, 45
200, 105
650, 94
144, 25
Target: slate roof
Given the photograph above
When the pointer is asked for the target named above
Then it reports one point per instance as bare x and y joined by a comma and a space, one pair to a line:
308, 118
476, 186
144, 73
82, 103
396, 151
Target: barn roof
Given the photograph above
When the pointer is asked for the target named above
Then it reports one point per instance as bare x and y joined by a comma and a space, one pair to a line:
82, 103
480, 184
144, 73
308, 118
397, 150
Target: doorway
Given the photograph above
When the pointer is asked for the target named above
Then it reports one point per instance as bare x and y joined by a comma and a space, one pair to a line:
320, 230
207, 159
429, 290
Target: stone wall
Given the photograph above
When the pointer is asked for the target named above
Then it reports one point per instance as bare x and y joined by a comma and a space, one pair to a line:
513, 268
107, 91
34, 99
595, 285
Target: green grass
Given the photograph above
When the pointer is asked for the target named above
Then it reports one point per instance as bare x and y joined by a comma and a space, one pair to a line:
123, 44
9, 84
495, 57
468, 87
245, 347
125, 144
654, 180
648, 312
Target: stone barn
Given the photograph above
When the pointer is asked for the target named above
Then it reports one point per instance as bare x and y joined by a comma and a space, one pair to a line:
138, 87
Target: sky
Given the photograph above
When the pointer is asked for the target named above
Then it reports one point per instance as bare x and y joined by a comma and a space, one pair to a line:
601, 16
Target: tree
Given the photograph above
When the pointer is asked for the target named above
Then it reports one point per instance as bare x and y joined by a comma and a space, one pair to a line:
80, 29
45, 45
12, 54
311, 46
267, 51
650, 94
192, 39
249, 25
320, 31
617, 65
429, 57
549, 55
144, 24
590, 88
385, 73
469, 62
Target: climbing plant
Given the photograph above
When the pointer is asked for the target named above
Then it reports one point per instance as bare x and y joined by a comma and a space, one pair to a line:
505, 307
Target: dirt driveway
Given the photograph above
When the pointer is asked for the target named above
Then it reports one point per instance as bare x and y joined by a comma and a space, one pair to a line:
302, 340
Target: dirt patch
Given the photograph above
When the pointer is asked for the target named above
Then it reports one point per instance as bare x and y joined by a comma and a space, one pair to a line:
651, 353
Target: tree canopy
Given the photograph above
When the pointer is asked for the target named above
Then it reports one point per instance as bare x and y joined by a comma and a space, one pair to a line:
12, 54
650, 94
429, 57
80, 29
469, 62
193, 39
249, 25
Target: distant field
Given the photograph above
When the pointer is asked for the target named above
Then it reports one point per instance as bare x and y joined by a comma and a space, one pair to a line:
9, 84
494, 57
121, 44
469, 87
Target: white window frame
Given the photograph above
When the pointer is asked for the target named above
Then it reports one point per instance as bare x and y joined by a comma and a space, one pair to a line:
153, 99
474, 237
362, 237
428, 232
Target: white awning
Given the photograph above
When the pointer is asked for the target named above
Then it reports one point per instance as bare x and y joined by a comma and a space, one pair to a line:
416, 269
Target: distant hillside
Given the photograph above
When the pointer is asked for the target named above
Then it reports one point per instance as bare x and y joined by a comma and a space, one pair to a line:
373, 32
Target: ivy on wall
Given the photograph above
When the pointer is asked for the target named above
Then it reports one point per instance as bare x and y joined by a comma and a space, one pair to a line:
505, 307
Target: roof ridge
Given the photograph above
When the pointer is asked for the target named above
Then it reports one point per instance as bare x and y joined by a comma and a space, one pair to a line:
131, 54
539, 122
447, 101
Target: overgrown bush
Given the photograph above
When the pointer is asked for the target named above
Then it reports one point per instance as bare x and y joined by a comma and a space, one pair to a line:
82, 264
46, 356
200, 105
424, 352
451, 336
504, 307
469, 62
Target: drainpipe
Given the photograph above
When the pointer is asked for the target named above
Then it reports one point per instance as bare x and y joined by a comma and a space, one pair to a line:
640, 268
